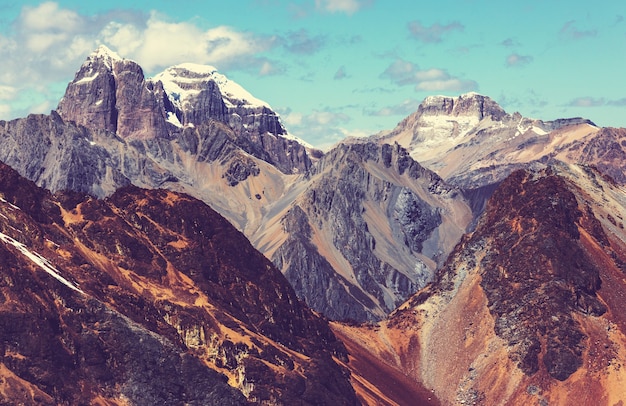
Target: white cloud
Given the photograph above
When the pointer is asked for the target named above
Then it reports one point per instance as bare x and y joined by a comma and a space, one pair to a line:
322, 129
516, 60
446, 84
339, 6
162, 43
7, 92
49, 43
429, 75
405, 73
325, 118
433, 33
48, 16
124, 38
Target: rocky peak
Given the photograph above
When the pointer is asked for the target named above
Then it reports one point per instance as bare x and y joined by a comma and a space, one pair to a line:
104, 55
90, 99
110, 93
470, 104
199, 93
187, 79
194, 93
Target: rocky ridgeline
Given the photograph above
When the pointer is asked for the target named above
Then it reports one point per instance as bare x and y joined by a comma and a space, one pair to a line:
536, 273
469, 105
471, 142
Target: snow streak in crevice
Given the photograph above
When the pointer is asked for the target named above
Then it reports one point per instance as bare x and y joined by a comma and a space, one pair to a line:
39, 260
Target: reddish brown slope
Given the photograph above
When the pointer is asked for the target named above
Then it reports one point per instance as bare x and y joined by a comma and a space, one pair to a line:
528, 309
149, 297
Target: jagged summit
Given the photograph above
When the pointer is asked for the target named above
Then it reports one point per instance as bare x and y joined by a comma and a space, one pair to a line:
471, 104
105, 54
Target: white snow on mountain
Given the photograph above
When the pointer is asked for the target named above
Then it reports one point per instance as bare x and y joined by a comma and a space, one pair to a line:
105, 54
183, 81
42, 262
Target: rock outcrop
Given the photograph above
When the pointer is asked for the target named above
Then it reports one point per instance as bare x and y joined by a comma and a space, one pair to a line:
111, 94
199, 93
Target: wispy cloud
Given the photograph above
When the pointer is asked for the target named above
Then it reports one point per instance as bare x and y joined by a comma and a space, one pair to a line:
402, 109
405, 73
269, 68
433, 33
341, 73
348, 7
509, 43
618, 102
301, 42
517, 60
588, 101
570, 31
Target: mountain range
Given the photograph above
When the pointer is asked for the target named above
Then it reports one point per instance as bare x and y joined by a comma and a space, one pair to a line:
468, 256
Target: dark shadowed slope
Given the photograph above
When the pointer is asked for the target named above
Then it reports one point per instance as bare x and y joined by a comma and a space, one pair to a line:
149, 297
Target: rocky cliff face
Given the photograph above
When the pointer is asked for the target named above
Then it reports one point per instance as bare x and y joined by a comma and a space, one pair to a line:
149, 297
369, 229
526, 308
110, 93
471, 105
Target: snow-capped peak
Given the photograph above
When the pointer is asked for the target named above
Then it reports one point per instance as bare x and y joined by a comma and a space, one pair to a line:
104, 54
187, 79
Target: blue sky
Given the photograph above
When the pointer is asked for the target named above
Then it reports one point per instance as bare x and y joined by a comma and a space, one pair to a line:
336, 68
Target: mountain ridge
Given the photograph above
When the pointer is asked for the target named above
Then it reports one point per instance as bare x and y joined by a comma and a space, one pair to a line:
525, 309
479, 254
157, 299
471, 142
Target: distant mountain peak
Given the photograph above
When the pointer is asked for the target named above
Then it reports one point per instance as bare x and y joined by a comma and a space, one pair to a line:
469, 104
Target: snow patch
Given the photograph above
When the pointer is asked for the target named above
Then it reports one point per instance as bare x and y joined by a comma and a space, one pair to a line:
173, 119
104, 54
42, 262
538, 131
87, 80
182, 82
11, 205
